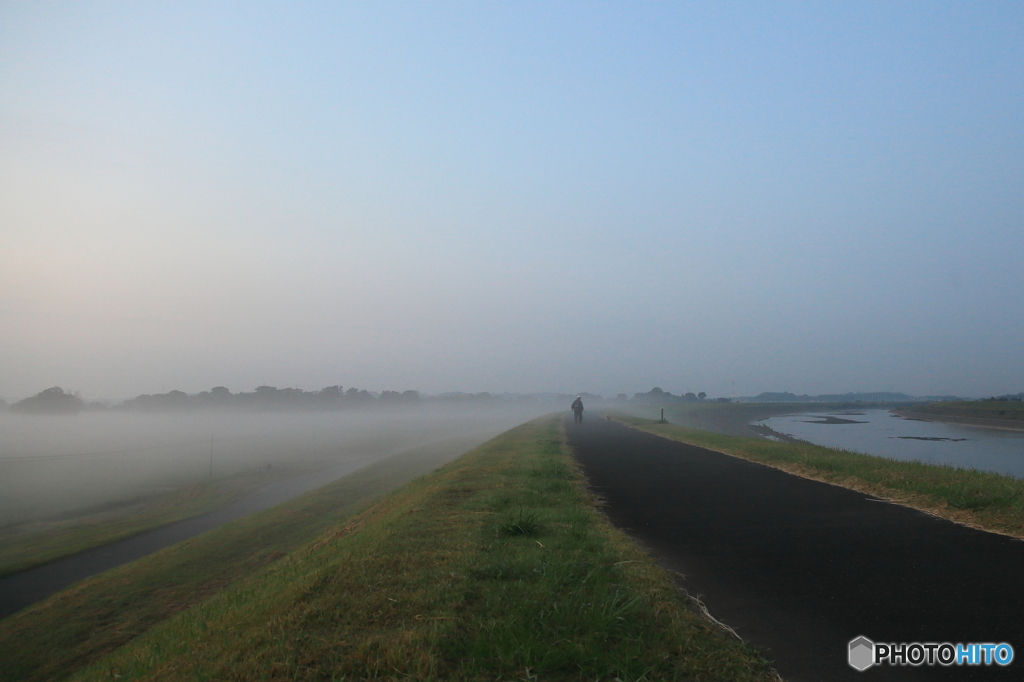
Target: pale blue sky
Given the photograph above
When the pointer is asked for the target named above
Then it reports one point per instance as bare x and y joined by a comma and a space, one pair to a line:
727, 197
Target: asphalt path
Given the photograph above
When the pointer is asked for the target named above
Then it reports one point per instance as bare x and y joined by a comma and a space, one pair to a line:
799, 567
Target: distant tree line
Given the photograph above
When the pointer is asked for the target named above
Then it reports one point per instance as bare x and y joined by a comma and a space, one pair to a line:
51, 401
1009, 397
658, 396
263, 398
56, 400
878, 397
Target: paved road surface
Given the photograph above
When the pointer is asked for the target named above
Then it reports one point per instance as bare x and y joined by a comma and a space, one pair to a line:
801, 567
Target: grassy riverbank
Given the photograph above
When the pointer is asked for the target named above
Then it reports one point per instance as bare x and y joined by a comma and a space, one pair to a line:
29, 545
733, 418
496, 566
979, 499
995, 413
52, 639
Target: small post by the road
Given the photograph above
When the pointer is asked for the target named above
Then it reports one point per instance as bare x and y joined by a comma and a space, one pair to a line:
663, 414
211, 456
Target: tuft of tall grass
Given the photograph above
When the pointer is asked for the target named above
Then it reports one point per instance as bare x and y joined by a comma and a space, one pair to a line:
525, 523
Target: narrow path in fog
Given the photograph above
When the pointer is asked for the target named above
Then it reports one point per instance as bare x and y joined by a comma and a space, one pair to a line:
27, 587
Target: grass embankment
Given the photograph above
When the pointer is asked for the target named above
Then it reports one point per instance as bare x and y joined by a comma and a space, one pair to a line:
733, 418
980, 499
1005, 413
497, 566
52, 639
22, 548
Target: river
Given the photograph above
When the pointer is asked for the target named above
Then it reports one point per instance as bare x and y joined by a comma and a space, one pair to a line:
879, 432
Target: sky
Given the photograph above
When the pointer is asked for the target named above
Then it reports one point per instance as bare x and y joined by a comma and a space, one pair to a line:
728, 197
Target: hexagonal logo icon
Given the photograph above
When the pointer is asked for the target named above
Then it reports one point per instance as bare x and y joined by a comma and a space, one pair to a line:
861, 653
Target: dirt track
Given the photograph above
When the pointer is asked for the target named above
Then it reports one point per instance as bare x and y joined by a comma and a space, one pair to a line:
801, 567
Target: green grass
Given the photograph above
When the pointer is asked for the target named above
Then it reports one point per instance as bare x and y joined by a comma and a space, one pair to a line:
524, 524
22, 550
50, 640
441, 581
732, 418
981, 499
975, 409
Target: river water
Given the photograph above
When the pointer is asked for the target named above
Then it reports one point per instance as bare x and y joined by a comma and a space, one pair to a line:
879, 432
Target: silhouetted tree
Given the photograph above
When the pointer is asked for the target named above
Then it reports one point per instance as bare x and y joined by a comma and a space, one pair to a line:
330, 397
655, 395
51, 401
355, 396
220, 393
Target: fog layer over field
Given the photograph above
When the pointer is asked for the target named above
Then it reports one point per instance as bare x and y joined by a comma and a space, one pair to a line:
52, 465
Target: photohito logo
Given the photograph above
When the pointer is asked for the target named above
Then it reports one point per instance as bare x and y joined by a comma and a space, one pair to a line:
863, 653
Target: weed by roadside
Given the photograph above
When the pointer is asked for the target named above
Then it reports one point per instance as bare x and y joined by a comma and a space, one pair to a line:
523, 524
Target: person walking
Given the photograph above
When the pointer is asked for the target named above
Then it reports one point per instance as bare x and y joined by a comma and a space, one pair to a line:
577, 410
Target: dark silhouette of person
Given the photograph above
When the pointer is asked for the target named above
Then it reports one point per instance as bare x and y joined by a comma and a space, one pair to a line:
577, 410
